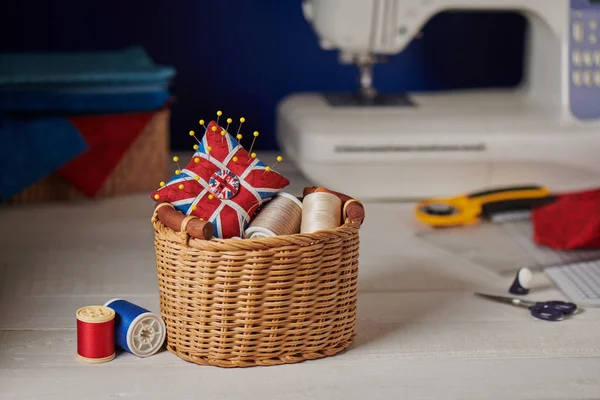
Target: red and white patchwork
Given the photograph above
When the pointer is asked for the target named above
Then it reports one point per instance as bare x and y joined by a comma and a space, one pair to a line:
225, 185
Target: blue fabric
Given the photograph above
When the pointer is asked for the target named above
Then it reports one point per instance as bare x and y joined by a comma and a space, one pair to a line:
131, 65
101, 81
32, 149
82, 102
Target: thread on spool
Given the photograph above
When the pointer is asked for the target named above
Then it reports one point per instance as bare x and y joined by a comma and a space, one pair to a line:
137, 330
282, 215
95, 334
321, 211
522, 282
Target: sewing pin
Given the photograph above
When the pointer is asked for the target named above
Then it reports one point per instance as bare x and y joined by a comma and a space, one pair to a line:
196, 147
178, 170
193, 134
229, 121
219, 113
223, 133
268, 169
202, 123
176, 160
162, 184
278, 160
242, 120
255, 134
238, 137
234, 158
522, 282
208, 150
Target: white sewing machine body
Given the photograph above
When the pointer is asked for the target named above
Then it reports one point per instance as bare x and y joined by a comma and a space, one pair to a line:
546, 132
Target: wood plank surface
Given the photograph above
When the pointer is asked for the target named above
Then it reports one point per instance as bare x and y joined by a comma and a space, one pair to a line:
420, 331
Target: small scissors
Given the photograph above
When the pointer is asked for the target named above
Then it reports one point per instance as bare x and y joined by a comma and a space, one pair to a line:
547, 310
470, 208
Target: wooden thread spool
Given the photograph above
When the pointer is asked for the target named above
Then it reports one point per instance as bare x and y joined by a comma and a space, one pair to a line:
174, 219
282, 215
321, 211
95, 334
352, 209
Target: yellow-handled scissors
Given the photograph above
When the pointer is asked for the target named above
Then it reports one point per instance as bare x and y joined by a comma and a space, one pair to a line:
470, 208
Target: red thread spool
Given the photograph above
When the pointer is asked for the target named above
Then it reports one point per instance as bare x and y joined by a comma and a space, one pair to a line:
95, 334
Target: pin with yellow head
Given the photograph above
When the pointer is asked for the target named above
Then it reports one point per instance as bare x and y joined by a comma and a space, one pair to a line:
268, 169
193, 134
242, 120
176, 161
255, 135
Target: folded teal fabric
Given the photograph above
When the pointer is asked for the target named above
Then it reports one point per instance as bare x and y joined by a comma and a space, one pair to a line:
129, 66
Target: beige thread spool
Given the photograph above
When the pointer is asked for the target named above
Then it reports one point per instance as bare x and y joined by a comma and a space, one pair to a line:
321, 211
280, 216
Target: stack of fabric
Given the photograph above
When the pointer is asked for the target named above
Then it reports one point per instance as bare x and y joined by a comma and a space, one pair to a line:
76, 115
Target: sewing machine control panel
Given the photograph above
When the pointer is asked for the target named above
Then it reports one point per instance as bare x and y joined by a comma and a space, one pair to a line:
585, 59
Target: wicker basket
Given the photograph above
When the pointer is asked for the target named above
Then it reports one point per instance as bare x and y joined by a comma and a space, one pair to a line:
267, 301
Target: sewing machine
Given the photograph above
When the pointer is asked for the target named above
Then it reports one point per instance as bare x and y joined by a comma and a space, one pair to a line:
545, 132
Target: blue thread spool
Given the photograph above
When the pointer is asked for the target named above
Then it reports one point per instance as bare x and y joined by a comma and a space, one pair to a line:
137, 330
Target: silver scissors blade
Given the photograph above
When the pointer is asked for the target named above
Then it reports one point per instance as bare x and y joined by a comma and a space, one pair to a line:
507, 300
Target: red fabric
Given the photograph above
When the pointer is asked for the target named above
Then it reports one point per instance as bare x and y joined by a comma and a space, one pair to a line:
109, 137
229, 216
571, 222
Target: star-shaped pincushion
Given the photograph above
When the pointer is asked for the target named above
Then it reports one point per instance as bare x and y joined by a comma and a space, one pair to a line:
222, 184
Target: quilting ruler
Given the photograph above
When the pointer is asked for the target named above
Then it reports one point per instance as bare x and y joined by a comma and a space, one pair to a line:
502, 245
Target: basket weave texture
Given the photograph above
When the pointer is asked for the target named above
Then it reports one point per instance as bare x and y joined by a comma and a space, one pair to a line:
267, 301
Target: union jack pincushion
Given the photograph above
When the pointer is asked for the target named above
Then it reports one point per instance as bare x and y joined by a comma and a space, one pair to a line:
222, 184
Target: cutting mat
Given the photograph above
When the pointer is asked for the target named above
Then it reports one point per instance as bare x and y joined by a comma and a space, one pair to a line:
502, 246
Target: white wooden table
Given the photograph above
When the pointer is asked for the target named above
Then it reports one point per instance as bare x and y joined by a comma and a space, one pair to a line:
421, 332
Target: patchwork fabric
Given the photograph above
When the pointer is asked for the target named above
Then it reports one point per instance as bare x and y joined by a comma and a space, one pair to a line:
225, 185
109, 138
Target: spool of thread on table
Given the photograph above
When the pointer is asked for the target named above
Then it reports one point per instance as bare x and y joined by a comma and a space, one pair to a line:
95, 334
280, 216
321, 211
137, 330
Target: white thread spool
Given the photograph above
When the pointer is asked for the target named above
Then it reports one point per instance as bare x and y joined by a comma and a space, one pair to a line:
280, 216
321, 211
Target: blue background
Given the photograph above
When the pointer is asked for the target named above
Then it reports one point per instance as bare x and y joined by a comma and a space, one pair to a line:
243, 56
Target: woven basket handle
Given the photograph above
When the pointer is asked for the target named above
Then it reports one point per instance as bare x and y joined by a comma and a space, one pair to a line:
189, 224
353, 209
